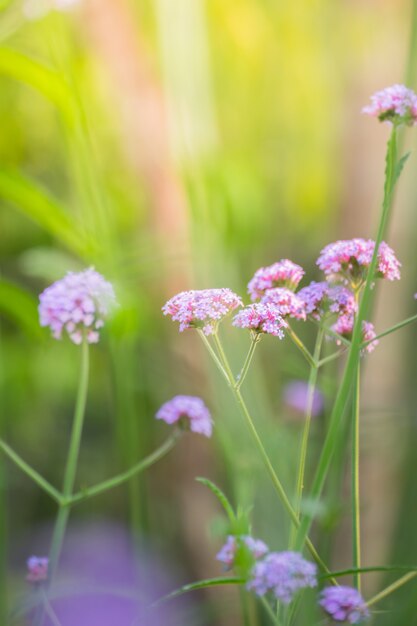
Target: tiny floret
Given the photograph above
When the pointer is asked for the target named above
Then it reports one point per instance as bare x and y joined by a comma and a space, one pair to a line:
282, 573
344, 604
284, 273
261, 318
396, 104
287, 301
201, 308
77, 305
37, 569
227, 554
190, 411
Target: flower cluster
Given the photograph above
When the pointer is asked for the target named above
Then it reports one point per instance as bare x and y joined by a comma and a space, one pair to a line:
344, 327
37, 569
201, 308
282, 573
289, 303
396, 104
284, 273
261, 318
190, 411
348, 260
344, 604
77, 305
322, 298
227, 554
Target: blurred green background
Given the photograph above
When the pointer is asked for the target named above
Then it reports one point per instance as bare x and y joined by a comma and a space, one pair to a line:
183, 144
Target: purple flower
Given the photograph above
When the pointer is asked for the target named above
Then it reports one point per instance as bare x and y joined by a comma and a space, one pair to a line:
296, 394
344, 326
227, 553
396, 105
189, 410
37, 569
285, 273
322, 298
77, 305
344, 604
368, 334
201, 309
261, 318
283, 573
287, 301
348, 260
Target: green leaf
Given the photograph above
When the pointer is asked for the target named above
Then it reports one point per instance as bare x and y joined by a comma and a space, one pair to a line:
20, 306
365, 570
220, 496
201, 584
400, 165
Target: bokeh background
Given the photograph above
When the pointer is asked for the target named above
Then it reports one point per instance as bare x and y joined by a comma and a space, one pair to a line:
178, 144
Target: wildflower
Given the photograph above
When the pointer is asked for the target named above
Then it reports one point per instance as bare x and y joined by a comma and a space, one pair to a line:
285, 273
201, 309
287, 301
344, 604
322, 298
227, 554
396, 105
283, 573
344, 326
348, 260
77, 304
295, 397
37, 569
261, 318
313, 297
190, 411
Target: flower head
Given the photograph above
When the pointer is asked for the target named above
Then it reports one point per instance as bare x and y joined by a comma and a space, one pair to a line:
322, 298
285, 273
287, 301
344, 604
190, 410
396, 104
283, 573
227, 554
77, 305
37, 569
296, 396
348, 260
344, 326
261, 318
201, 309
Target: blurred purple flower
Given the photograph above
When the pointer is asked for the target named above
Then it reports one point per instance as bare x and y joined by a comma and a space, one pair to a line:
261, 318
77, 304
201, 309
284, 273
287, 301
227, 553
190, 409
344, 604
37, 567
295, 397
396, 104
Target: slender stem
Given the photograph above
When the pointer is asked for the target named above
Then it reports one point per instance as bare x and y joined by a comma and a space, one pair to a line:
245, 606
30, 472
330, 358
111, 483
409, 320
295, 338
71, 466
356, 524
49, 609
213, 355
391, 588
307, 423
332, 333
254, 342
224, 360
270, 612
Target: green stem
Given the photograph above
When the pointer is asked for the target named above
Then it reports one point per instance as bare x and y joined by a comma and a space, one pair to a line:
72, 460
409, 320
307, 423
224, 361
30, 472
391, 588
356, 524
297, 341
111, 483
254, 342
213, 355
268, 609
330, 358
354, 351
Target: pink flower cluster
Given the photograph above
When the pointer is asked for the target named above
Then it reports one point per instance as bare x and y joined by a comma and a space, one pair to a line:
396, 104
344, 326
344, 604
321, 298
77, 305
201, 308
289, 303
284, 273
227, 554
261, 318
348, 260
190, 411
37, 569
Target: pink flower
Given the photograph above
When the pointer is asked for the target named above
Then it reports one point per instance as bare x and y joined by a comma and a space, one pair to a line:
201, 309
229, 550
77, 305
287, 301
322, 298
285, 273
396, 105
348, 260
37, 569
344, 326
190, 411
261, 318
